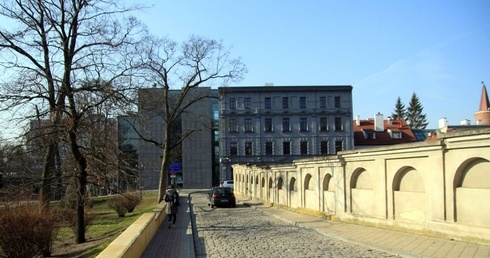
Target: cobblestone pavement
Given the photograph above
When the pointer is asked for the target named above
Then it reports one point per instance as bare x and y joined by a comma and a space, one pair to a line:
246, 232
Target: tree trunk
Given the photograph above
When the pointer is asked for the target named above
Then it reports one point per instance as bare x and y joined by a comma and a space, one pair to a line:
47, 175
81, 177
165, 164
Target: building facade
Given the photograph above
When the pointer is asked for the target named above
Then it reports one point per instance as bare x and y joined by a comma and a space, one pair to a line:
127, 142
196, 155
277, 124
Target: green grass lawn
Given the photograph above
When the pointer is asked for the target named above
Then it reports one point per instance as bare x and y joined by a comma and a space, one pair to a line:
104, 228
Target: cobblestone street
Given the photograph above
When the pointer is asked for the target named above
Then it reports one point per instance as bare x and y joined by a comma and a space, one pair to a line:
246, 232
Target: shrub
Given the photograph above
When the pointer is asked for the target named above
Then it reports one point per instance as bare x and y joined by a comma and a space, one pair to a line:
124, 203
27, 229
119, 204
133, 200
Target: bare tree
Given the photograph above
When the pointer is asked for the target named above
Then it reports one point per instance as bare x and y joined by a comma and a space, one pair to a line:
178, 72
63, 59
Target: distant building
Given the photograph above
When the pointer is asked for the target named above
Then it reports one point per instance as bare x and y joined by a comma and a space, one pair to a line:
482, 116
269, 125
197, 156
128, 142
381, 132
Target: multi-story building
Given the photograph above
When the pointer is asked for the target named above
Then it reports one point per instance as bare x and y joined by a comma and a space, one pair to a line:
196, 158
278, 124
127, 142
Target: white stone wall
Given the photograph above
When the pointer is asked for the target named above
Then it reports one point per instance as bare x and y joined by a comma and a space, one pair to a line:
439, 186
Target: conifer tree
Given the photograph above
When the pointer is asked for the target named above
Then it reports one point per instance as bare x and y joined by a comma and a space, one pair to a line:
399, 113
415, 117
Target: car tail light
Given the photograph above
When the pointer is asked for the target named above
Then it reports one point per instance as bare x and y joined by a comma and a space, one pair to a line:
214, 196
232, 195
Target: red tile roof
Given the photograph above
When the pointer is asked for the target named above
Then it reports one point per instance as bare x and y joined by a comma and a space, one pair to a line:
382, 137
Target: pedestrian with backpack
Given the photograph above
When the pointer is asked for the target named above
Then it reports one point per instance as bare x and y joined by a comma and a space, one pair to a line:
173, 203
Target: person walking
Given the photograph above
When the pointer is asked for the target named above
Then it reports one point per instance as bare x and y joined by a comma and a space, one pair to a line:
173, 203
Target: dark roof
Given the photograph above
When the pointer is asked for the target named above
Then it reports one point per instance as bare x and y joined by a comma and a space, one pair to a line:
284, 88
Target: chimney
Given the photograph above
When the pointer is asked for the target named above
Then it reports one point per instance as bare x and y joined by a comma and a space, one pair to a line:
358, 120
465, 122
442, 122
379, 125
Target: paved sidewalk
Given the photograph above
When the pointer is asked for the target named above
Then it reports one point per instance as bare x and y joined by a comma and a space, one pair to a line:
174, 242
395, 242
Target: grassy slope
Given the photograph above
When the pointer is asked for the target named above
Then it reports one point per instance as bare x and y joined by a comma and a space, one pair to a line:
102, 230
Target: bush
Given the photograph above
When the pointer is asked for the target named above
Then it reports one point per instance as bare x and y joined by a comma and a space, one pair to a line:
124, 203
133, 200
118, 204
27, 229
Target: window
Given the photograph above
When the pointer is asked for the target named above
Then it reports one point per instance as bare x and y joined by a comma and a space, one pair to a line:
338, 146
248, 125
285, 125
248, 148
324, 147
248, 103
233, 126
323, 102
268, 125
232, 103
338, 124
337, 101
233, 148
323, 124
396, 135
285, 102
286, 148
370, 135
304, 148
268, 148
303, 124
268, 103
302, 102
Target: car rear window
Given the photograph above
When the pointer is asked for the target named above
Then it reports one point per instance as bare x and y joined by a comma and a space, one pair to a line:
223, 190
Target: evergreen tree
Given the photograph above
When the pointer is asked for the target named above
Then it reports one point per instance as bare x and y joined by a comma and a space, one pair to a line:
415, 118
400, 112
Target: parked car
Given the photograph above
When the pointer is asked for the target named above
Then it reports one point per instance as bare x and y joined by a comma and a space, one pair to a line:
227, 183
221, 196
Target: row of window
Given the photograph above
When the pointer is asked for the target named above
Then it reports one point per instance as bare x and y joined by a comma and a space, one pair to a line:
248, 125
372, 135
286, 148
247, 102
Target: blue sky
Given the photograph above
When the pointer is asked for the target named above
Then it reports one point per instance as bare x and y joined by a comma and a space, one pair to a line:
385, 49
